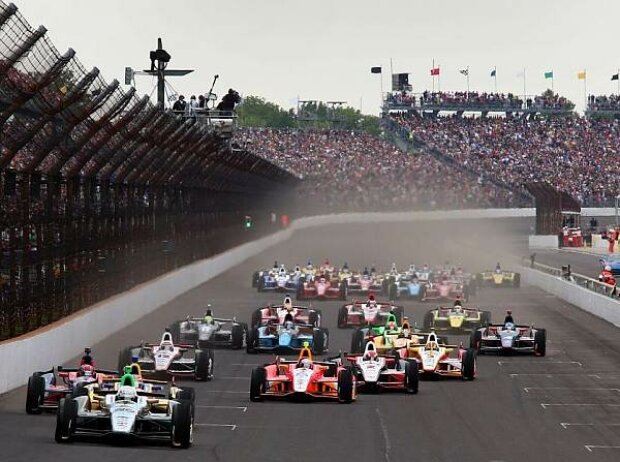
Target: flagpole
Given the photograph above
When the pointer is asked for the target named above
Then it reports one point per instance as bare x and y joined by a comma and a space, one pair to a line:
467, 82
495, 78
585, 90
439, 81
618, 81
524, 90
433, 74
552, 77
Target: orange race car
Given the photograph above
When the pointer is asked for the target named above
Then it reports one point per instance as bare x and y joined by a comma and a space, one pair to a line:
303, 379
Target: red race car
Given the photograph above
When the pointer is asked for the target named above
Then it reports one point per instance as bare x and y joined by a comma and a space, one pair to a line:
46, 388
322, 288
302, 380
445, 289
277, 314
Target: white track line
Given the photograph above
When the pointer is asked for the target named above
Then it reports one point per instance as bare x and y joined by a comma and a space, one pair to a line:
205, 406
591, 447
231, 426
546, 405
565, 425
596, 376
527, 389
508, 363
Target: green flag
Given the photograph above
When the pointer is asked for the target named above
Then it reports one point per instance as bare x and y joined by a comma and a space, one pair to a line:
549, 75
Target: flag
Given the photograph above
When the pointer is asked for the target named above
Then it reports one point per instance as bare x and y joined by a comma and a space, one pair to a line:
464, 71
549, 75
375, 70
435, 71
581, 75
494, 73
614, 77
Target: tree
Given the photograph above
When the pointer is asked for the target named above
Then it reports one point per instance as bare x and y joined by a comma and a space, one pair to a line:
254, 111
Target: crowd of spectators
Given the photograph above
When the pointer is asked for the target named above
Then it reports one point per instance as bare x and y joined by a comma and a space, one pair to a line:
578, 155
477, 101
200, 106
604, 103
343, 170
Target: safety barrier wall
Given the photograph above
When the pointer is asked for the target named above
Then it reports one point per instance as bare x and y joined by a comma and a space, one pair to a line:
598, 304
57, 343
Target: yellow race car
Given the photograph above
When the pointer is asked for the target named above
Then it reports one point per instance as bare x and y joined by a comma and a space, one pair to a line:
498, 278
455, 319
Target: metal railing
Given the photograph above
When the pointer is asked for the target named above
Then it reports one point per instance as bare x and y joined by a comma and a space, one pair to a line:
580, 280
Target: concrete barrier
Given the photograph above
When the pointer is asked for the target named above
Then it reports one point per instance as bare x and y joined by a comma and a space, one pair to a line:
599, 305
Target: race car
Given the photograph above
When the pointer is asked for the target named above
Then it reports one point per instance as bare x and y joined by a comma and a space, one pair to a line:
128, 413
277, 313
498, 278
364, 284
286, 337
446, 289
281, 281
509, 338
410, 287
322, 288
302, 380
390, 330
613, 262
455, 319
374, 371
167, 359
46, 388
433, 357
210, 331
257, 275
368, 312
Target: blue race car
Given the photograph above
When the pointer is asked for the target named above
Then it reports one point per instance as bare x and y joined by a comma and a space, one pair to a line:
613, 261
288, 337
282, 281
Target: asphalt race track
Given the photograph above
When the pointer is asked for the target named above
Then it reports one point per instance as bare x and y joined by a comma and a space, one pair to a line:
562, 407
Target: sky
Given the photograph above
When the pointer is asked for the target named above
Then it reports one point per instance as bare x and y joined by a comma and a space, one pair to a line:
283, 50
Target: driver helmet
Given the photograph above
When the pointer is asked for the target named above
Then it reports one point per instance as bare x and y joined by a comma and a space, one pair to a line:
391, 325
288, 324
305, 363
127, 392
509, 326
86, 370
288, 303
371, 354
607, 268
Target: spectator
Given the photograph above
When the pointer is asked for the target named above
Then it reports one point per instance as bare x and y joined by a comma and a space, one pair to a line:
179, 105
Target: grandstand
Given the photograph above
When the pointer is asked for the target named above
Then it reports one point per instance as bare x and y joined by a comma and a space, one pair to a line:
101, 190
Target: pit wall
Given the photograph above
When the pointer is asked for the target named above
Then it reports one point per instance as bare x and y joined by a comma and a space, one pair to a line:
597, 304
61, 341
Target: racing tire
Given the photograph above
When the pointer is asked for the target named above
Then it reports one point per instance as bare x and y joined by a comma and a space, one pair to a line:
516, 282
182, 425
540, 342
79, 390
474, 340
357, 341
392, 291
422, 293
385, 286
468, 365
318, 341
65, 420
343, 315
175, 331
255, 278
187, 394
258, 381
203, 366
399, 312
124, 359
412, 376
428, 320
345, 386
239, 335
252, 341
344, 290
314, 319
35, 394
257, 317
485, 318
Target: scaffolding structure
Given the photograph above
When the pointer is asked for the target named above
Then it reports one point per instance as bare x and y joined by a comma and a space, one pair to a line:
101, 190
